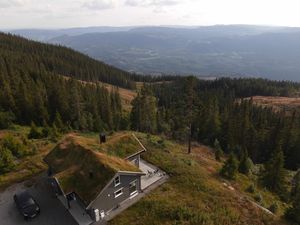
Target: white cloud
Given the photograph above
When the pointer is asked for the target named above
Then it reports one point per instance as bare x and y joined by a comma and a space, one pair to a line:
152, 2
70, 13
12, 3
99, 4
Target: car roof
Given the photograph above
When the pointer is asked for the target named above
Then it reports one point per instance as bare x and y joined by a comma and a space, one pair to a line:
24, 197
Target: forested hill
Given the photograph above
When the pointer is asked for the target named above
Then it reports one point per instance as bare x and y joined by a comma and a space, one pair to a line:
33, 90
19, 55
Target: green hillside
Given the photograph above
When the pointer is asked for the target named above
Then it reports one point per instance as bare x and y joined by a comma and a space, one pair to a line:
32, 88
195, 193
19, 55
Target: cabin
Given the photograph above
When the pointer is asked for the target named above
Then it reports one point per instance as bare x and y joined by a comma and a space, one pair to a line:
92, 178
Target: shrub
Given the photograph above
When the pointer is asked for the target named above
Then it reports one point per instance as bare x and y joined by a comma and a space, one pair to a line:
6, 119
293, 213
54, 134
34, 149
34, 132
258, 197
274, 208
14, 145
6, 160
46, 131
230, 167
162, 143
251, 188
245, 166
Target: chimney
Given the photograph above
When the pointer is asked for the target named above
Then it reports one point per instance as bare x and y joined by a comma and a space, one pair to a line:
91, 174
102, 138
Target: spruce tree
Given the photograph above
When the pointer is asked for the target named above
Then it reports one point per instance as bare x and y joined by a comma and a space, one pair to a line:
245, 163
274, 174
230, 167
218, 150
58, 122
144, 112
295, 184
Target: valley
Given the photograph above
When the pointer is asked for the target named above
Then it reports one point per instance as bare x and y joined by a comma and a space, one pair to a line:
214, 51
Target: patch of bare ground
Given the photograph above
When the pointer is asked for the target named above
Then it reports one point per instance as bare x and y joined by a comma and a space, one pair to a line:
278, 104
205, 157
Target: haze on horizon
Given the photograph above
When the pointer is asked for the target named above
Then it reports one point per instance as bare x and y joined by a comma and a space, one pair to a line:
82, 13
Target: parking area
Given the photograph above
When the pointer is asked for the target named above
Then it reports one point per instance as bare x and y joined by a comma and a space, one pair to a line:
52, 211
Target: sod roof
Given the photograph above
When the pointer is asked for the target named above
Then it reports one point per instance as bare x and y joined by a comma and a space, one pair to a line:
72, 162
120, 144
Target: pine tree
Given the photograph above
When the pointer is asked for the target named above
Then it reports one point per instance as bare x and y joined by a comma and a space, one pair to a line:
230, 168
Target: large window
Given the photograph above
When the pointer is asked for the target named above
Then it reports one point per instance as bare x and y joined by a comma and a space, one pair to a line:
117, 181
133, 187
118, 192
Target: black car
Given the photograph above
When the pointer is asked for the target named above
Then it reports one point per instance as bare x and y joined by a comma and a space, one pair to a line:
26, 205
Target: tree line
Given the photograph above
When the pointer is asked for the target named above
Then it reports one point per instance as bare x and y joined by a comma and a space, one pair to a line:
19, 54
212, 110
208, 112
43, 98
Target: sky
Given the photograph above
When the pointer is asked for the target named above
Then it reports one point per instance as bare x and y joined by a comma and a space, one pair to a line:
83, 13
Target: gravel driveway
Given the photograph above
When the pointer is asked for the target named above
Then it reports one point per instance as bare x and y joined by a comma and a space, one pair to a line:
52, 211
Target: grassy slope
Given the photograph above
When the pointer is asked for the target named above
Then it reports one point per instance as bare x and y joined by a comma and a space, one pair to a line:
195, 194
278, 104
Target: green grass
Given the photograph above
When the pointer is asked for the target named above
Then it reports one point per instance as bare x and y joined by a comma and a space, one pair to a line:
194, 194
120, 144
29, 166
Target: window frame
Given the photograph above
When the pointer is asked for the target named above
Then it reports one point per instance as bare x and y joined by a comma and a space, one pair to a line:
119, 178
117, 195
136, 190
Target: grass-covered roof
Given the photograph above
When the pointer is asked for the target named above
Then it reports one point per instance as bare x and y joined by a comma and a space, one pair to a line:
120, 144
72, 162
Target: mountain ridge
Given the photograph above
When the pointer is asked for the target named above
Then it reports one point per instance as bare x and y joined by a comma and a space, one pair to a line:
220, 50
